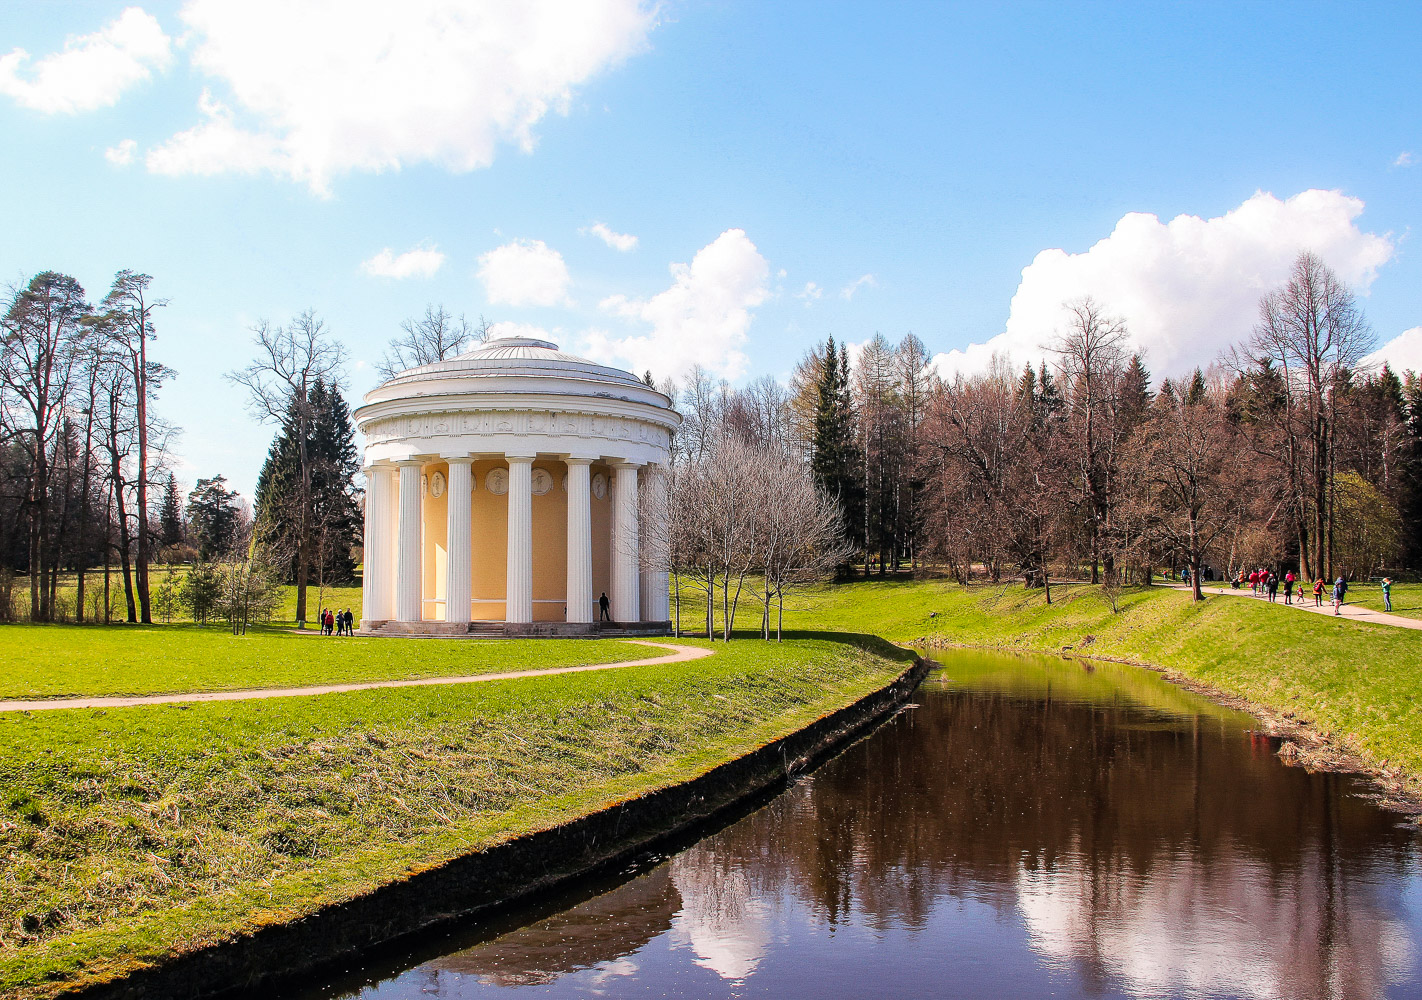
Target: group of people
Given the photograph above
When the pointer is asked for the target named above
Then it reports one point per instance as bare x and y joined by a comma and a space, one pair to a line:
337, 622
1265, 583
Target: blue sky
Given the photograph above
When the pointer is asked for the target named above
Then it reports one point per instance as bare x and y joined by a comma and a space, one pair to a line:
952, 170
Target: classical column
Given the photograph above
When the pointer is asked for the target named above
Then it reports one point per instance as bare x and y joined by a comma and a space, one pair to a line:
580, 595
656, 601
518, 602
458, 571
377, 583
408, 585
626, 601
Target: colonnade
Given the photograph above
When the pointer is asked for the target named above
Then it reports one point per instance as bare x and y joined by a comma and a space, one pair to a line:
393, 575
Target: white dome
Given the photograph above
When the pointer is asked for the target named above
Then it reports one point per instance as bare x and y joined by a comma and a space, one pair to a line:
521, 358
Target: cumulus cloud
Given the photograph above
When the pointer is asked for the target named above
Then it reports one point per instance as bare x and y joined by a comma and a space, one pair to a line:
524, 273
1404, 159
1187, 288
122, 154
330, 86
847, 292
810, 292
420, 262
702, 318
624, 242
93, 70
1402, 353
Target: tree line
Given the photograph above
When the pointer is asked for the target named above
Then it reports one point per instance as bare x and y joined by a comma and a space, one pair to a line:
88, 498
1286, 452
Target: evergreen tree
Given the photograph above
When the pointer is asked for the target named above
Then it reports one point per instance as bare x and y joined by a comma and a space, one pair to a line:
215, 513
1135, 392
1195, 395
1410, 471
170, 515
832, 451
1049, 399
334, 518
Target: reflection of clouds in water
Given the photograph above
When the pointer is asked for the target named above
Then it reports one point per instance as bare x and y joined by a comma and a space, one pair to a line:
722, 920
1227, 927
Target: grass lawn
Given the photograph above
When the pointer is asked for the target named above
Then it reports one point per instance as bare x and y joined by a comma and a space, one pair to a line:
128, 832
42, 661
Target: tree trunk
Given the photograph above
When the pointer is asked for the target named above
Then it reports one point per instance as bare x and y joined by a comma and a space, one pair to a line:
140, 385
303, 543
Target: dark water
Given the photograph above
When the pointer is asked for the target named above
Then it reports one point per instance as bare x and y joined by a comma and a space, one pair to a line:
1034, 828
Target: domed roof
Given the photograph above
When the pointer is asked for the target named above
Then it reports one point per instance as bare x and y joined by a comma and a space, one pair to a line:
526, 357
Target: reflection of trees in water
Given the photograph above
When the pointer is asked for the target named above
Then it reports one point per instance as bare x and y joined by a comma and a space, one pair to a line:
1132, 847
598, 931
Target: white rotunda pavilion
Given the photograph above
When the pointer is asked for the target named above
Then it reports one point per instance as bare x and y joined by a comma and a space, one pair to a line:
502, 494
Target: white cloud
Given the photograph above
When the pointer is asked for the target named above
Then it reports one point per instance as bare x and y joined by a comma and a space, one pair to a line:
810, 292
1403, 352
93, 70
1404, 159
624, 242
524, 273
330, 86
419, 262
122, 154
1189, 288
703, 318
847, 292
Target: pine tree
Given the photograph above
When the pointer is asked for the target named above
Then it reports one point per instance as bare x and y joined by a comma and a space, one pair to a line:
214, 512
1135, 392
832, 451
334, 518
170, 515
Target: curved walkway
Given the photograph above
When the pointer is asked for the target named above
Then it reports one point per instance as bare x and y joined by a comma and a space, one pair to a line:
679, 654
1354, 612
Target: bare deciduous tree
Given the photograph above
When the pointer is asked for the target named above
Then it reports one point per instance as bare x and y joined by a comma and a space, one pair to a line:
437, 336
290, 360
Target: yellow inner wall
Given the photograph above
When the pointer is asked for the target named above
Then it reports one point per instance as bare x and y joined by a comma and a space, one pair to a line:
489, 549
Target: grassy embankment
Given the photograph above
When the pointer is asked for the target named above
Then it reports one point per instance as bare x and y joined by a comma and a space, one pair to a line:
1360, 684
128, 833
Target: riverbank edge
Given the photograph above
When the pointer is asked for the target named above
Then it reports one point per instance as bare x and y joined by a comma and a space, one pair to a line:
1304, 744
501, 876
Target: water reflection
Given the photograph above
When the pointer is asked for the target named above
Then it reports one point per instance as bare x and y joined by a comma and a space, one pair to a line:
1034, 827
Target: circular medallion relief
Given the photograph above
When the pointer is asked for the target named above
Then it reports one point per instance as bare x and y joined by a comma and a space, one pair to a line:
497, 481
565, 482
541, 481
437, 485
599, 485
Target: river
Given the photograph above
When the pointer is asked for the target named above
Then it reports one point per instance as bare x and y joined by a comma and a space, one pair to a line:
1033, 827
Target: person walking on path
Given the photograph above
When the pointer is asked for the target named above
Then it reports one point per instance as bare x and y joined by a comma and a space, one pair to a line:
1387, 593
1340, 590
1318, 593
1289, 579
1273, 586
321, 620
1254, 582
602, 605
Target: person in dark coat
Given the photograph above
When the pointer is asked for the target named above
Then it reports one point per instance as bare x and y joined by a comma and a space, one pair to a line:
603, 604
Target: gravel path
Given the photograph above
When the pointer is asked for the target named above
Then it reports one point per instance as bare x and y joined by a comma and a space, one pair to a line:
678, 654
1351, 611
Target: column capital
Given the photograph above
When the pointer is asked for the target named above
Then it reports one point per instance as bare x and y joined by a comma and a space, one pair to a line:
519, 456
579, 459
408, 463
463, 458
625, 463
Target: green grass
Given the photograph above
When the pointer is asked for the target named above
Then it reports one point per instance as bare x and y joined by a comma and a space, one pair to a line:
130, 832
42, 661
